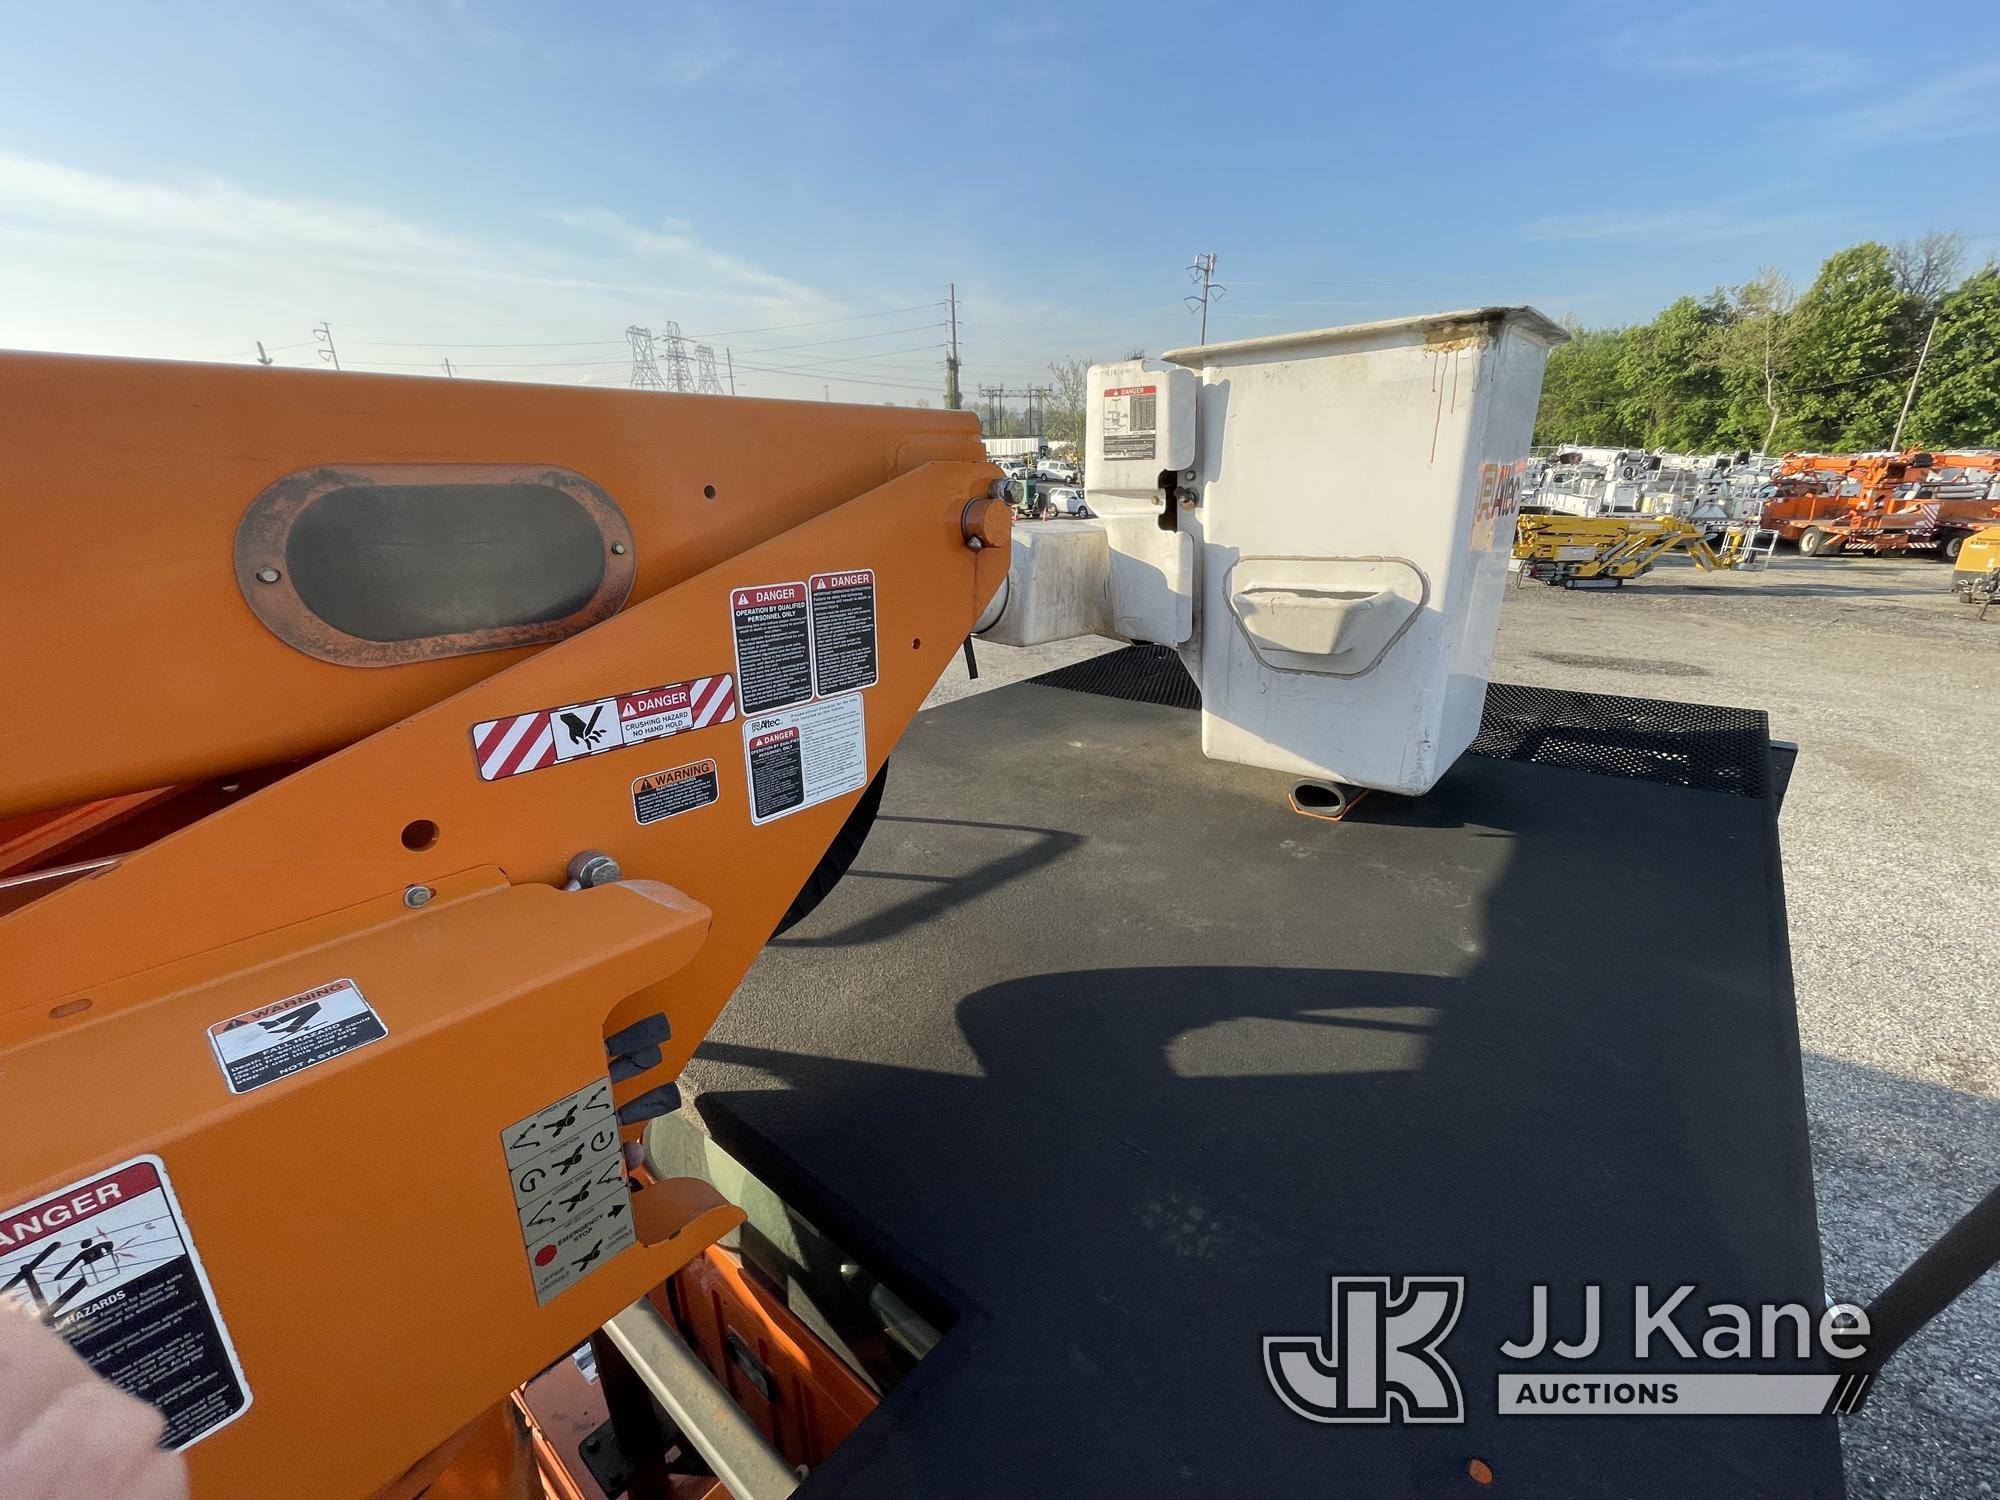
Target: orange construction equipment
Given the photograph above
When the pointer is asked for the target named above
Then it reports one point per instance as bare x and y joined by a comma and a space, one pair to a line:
1815, 494
404, 773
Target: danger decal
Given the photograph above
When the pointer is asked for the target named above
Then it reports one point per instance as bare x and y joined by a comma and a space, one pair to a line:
682, 789
108, 1263
805, 756
570, 1193
548, 737
771, 625
277, 1040
1130, 421
843, 631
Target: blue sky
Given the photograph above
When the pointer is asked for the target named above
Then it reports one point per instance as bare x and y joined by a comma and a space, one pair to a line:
509, 185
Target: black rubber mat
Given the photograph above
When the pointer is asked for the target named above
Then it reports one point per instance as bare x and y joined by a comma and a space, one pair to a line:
1106, 1051
1647, 739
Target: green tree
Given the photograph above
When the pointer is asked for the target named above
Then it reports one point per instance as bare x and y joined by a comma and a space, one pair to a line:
1958, 401
1673, 395
1755, 357
1852, 351
1069, 386
1582, 394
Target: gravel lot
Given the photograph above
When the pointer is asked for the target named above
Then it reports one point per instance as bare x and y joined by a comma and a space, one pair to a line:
1892, 691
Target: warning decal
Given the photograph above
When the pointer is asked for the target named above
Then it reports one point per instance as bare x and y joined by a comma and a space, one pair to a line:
1131, 421
568, 1176
277, 1040
680, 790
109, 1264
773, 645
802, 757
550, 736
843, 631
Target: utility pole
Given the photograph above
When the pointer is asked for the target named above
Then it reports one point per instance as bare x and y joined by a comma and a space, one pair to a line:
1910, 396
645, 373
323, 335
730, 355
262, 357
826, 392
449, 373
1202, 272
951, 359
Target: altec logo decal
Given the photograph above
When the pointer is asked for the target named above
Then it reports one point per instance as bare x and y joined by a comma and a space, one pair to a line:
529, 742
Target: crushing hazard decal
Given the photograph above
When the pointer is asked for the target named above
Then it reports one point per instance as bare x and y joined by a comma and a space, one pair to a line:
568, 1175
109, 1264
277, 1040
530, 742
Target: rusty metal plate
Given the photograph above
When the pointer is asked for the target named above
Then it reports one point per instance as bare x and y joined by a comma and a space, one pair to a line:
378, 565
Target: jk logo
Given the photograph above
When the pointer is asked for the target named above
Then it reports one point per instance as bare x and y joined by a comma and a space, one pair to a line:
1379, 1353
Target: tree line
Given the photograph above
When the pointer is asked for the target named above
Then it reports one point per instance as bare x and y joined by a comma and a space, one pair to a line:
1761, 366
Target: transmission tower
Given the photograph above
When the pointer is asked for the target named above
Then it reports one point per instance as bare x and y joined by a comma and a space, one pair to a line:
679, 377
645, 374
706, 381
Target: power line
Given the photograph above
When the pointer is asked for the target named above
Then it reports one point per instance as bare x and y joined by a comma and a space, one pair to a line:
847, 339
819, 323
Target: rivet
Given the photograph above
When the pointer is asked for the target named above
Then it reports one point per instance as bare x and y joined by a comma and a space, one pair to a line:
417, 895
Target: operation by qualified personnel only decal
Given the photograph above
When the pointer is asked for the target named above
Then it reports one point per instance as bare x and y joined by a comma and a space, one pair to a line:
568, 1176
527, 742
804, 756
277, 1040
108, 1263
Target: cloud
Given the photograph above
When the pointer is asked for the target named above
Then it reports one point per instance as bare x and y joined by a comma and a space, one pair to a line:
1670, 226
675, 240
1711, 43
196, 266
1945, 106
199, 208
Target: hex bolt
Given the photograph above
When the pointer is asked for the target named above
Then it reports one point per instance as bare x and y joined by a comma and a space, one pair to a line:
617, 549
417, 895
268, 575
592, 868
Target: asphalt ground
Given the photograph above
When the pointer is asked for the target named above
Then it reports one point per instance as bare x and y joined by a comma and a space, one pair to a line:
1891, 838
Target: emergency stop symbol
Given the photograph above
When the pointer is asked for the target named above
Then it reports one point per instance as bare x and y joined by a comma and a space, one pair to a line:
1379, 1361
292, 1022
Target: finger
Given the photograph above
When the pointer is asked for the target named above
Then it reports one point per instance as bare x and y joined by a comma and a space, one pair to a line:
90, 1440
35, 1362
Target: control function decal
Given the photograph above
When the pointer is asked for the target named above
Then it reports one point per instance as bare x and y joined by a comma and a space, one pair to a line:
568, 1177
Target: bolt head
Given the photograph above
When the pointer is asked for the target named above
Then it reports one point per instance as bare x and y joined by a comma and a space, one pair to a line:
591, 869
417, 895
617, 549
268, 575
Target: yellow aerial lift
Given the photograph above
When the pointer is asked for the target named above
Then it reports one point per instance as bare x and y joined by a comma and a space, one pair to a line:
1604, 552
